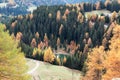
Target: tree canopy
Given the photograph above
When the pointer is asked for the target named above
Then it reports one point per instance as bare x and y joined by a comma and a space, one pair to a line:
12, 60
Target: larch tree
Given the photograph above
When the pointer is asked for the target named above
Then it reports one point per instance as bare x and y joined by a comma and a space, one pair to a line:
37, 35
112, 61
98, 5
64, 17
58, 41
58, 15
67, 12
94, 64
19, 36
46, 40
31, 16
14, 24
58, 61
12, 61
107, 2
20, 17
33, 43
104, 65
60, 29
50, 15
49, 55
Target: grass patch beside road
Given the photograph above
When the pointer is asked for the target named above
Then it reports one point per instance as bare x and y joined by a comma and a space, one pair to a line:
47, 71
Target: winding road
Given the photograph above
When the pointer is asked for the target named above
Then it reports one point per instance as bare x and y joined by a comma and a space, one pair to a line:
36, 66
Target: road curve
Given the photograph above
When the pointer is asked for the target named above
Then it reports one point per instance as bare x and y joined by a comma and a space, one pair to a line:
36, 66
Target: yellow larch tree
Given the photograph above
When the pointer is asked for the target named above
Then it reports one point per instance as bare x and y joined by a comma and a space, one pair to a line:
104, 65
94, 64
49, 56
12, 60
112, 61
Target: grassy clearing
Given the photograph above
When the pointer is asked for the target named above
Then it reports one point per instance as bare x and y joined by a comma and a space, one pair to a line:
46, 71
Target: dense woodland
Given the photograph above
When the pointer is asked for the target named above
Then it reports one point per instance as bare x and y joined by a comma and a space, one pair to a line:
65, 28
91, 43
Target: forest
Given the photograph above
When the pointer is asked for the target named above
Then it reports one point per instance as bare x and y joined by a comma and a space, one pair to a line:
89, 42
63, 28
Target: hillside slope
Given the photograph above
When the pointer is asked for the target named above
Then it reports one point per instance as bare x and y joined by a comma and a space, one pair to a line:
45, 71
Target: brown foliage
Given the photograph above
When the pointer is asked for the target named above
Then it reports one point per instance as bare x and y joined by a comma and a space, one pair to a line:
91, 24
41, 45
58, 15
118, 1
45, 37
80, 17
33, 43
31, 16
72, 47
58, 41
37, 35
97, 5
60, 29
107, 61
112, 61
89, 41
50, 15
20, 17
86, 35
64, 17
113, 16
19, 36
94, 17
107, 2
45, 40
14, 24
67, 12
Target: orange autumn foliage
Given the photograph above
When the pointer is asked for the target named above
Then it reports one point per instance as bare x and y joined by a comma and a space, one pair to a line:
112, 61
104, 65
94, 64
